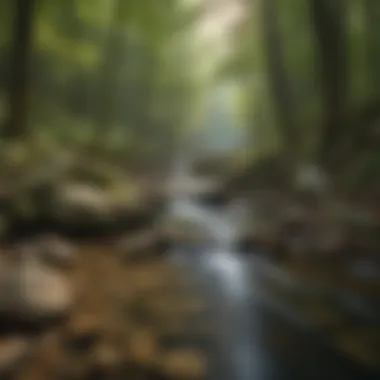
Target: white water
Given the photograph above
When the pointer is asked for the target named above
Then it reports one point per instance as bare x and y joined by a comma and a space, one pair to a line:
226, 278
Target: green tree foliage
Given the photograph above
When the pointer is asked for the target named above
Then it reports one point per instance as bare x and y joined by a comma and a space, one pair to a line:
310, 77
107, 74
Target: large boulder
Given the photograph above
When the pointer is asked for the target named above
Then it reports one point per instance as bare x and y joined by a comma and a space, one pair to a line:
81, 203
74, 194
82, 207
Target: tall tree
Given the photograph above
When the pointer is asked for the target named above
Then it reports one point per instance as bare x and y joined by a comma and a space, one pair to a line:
372, 17
279, 83
329, 23
20, 68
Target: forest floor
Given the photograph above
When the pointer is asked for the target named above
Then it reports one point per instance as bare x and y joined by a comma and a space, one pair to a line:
77, 309
118, 318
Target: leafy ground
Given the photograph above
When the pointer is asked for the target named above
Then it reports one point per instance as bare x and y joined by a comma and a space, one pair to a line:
72, 308
127, 319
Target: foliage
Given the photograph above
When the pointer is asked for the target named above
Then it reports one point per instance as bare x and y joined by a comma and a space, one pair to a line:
310, 77
107, 73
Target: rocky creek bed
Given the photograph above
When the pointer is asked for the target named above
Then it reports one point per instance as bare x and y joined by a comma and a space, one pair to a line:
97, 311
86, 290
321, 262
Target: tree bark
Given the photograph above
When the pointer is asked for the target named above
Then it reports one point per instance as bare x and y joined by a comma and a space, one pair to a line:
329, 23
280, 85
107, 85
372, 17
20, 68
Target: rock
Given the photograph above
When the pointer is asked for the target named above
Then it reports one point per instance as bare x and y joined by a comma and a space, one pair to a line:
127, 196
141, 246
46, 291
56, 252
178, 230
47, 359
261, 237
248, 244
364, 269
75, 368
12, 351
106, 356
143, 348
214, 197
149, 279
50, 250
183, 365
106, 362
331, 241
77, 202
293, 212
4, 226
82, 207
82, 332
32, 291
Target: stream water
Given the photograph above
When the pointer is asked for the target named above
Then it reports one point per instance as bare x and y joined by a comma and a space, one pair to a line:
256, 342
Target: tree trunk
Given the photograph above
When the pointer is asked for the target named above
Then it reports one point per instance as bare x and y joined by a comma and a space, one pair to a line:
329, 23
280, 85
372, 17
107, 81
20, 69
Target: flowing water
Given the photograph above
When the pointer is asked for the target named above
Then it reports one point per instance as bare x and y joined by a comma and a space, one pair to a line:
255, 342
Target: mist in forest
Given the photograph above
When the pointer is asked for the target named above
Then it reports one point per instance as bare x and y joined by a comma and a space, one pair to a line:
241, 136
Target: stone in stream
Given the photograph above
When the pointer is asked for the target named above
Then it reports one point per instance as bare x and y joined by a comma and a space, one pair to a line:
183, 231
249, 243
213, 197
